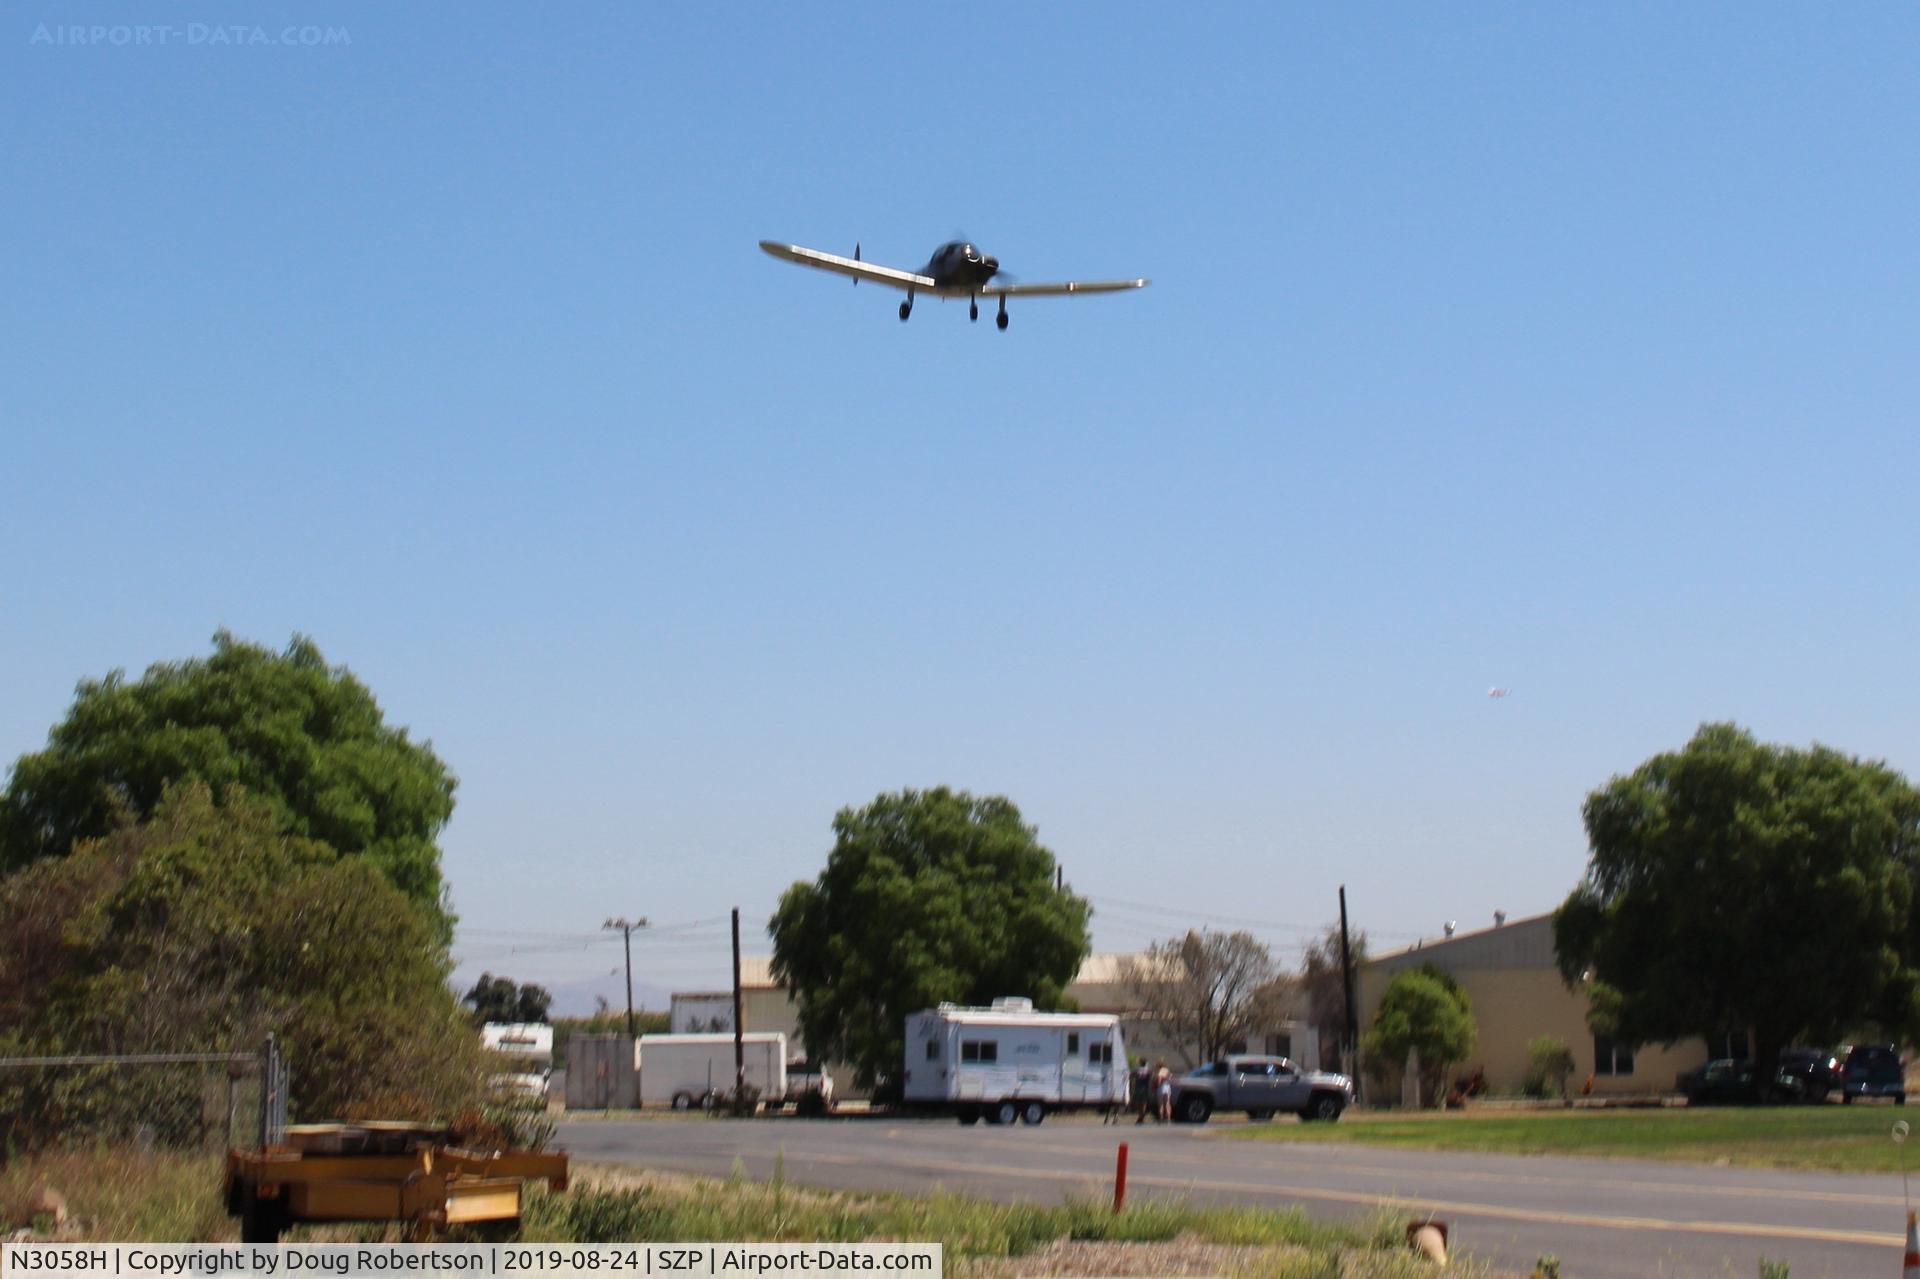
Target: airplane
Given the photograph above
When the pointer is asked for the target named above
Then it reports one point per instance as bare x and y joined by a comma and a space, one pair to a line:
956, 270
1497, 691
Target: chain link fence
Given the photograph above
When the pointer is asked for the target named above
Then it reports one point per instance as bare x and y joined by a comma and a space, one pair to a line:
175, 1101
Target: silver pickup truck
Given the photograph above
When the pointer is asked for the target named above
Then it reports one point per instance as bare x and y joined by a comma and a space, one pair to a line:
1260, 1086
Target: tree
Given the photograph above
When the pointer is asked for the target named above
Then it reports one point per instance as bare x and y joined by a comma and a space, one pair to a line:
1736, 885
1423, 1011
1207, 989
927, 896
204, 928
305, 739
1326, 992
498, 999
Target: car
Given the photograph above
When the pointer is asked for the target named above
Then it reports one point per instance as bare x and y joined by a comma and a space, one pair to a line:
1260, 1086
809, 1088
1811, 1074
1874, 1070
1723, 1081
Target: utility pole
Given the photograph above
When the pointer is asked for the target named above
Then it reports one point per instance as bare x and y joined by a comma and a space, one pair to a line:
739, 1026
626, 927
1349, 1059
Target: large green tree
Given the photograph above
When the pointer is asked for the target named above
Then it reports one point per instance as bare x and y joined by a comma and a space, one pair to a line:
1738, 885
1425, 1012
927, 896
305, 739
202, 929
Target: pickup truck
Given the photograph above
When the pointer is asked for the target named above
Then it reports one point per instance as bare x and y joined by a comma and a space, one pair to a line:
1260, 1086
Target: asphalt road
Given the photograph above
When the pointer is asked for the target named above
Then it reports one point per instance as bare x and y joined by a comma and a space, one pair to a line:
1605, 1219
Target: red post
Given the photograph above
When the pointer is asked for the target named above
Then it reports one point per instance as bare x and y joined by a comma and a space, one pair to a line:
1120, 1178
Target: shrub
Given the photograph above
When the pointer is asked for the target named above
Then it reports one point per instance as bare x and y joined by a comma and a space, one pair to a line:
1549, 1063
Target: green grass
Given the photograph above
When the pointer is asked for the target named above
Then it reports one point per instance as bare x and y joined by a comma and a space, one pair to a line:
123, 1196
1833, 1138
774, 1210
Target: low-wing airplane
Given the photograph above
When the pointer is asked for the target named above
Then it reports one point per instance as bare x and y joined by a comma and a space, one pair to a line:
956, 270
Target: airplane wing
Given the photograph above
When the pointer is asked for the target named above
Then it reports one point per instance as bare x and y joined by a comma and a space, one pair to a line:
850, 266
1059, 290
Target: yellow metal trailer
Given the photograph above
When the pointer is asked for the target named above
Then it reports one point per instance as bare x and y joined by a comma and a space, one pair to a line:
379, 1172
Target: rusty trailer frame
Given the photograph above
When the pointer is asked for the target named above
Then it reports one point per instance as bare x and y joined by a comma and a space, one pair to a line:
379, 1172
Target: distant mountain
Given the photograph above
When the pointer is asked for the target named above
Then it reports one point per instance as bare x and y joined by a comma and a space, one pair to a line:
579, 998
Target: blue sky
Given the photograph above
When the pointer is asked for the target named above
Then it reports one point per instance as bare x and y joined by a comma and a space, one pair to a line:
1562, 348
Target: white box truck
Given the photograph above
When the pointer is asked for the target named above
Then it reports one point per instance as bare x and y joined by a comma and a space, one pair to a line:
1009, 1062
686, 1071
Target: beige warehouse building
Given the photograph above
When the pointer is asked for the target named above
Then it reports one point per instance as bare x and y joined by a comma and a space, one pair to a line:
1509, 973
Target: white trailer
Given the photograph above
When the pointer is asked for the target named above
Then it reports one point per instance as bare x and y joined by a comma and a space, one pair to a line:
1009, 1062
683, 1071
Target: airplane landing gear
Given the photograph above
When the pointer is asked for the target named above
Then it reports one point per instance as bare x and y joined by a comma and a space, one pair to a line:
973, 309
1000, 320
906, 309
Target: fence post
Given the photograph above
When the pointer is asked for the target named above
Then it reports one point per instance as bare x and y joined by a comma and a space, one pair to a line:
273, 1094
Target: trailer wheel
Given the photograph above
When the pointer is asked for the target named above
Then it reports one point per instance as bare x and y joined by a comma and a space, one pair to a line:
967, 1114
1004, 1113
683, 1101
261, 1220
1033, 1112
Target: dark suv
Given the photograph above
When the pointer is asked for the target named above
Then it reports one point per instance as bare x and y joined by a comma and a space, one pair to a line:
1810, 1074
1874, 1070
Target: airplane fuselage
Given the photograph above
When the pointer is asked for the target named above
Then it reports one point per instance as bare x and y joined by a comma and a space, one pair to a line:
957, 268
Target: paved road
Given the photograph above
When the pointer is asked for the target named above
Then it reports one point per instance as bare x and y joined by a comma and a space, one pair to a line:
1605, 1219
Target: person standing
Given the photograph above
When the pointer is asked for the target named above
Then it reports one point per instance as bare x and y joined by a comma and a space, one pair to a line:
1142, 1099
1163, 1092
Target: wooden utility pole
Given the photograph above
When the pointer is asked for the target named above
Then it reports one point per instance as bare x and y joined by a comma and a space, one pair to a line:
626, 927
1349, 1059
739, 1025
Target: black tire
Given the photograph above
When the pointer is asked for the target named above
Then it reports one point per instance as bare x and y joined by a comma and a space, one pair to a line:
973, 310
1324, 1107
683, 1101
1194, 1108
1032, 1113
1004, 1113
1001, 320
1817, 1095
1846, 1099
1899, 1099
261, 1220
906, 309
967, 1114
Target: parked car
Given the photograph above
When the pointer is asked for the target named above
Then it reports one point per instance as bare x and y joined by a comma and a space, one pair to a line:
1260, 1086
809, 1088
1874, 1070
1725, 1081
1811, 1074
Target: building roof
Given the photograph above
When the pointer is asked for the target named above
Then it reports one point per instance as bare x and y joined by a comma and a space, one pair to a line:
1518, 943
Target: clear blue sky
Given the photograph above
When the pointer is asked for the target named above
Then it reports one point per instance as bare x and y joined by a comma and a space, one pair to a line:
1564, 348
